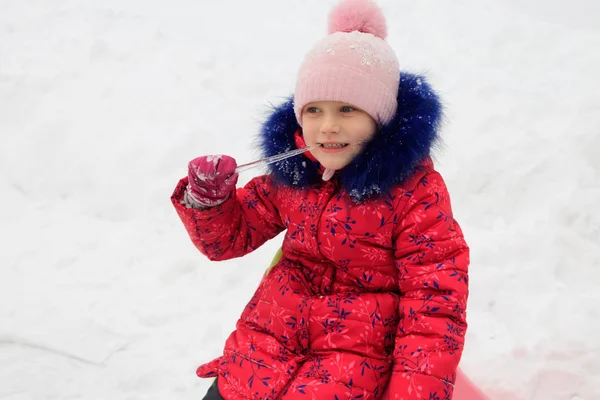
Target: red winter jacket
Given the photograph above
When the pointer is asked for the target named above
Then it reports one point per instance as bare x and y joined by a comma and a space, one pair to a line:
368, 300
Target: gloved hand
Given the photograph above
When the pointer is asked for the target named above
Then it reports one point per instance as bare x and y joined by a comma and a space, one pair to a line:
212, 180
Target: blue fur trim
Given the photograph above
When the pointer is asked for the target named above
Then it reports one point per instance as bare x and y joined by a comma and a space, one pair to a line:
386, 161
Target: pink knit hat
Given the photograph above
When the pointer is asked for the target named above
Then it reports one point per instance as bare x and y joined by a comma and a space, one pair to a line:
354, 64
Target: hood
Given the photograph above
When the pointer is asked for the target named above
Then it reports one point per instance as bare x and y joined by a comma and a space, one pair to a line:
387, 160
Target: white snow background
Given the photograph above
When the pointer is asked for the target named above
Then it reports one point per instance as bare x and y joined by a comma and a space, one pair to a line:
103, 103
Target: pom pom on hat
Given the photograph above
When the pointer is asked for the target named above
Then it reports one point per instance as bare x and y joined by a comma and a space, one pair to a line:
358, 15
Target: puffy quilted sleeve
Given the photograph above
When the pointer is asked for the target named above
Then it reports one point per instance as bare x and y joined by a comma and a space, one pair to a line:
432, 260
238, 226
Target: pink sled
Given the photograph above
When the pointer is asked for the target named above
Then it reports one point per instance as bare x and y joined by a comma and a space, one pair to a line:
465, 389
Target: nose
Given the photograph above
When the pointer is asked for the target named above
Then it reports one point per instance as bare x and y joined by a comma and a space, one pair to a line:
330, 125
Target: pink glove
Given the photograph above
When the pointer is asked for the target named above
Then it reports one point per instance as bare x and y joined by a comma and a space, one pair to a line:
212, 179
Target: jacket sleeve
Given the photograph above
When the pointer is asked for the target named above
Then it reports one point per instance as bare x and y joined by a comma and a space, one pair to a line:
432, 260
236, 227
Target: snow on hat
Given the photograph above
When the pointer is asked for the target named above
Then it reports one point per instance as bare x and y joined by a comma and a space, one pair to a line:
354, 64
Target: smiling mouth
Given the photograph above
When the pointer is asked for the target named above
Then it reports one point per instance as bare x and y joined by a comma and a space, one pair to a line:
333, 145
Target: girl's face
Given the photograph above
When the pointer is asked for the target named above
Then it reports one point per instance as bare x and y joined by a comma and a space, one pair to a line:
339, 130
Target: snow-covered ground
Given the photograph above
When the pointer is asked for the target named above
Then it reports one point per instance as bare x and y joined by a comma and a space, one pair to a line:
103, 103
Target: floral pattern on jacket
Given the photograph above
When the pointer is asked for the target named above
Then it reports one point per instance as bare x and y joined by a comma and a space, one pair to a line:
368, 300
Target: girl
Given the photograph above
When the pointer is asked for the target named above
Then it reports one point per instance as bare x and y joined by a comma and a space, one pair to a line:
368, 298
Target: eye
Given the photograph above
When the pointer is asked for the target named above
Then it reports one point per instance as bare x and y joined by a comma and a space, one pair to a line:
312, 110
347, 109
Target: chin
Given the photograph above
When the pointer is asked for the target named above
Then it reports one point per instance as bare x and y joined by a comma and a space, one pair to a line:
334, 166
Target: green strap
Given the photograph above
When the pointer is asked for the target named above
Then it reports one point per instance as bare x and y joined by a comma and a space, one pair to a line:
276, 259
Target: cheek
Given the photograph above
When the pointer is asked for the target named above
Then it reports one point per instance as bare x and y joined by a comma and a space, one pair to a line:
309, 131
368, 131
370, 136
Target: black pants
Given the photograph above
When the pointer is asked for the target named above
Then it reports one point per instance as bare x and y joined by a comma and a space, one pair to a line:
213, 393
